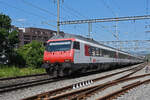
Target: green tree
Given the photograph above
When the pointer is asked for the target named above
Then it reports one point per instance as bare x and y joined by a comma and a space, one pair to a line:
8, 38
32, 53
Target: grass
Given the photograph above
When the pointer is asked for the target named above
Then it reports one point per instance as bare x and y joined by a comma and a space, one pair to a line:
12, 71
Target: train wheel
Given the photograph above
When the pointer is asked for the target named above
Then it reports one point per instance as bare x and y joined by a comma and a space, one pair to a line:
55, 73
49, 72
61, 73
69, 72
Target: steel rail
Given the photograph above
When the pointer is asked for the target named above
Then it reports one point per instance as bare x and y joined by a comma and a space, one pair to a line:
75, 95
124, 90
18, 77
86, 92
67, 88
26, 84
99, 88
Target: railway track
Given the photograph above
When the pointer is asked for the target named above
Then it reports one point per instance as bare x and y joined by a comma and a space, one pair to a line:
26, 84
14, 86
124, 90
14, 83
20, 82
82, 89
10, 85
19, 77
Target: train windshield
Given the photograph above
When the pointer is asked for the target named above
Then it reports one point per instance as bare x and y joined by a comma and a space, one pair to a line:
58, 46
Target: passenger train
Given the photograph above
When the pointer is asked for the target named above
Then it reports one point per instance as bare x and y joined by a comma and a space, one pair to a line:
68, 54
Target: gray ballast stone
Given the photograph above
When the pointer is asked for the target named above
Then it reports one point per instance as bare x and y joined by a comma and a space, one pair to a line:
140, 93
23, 93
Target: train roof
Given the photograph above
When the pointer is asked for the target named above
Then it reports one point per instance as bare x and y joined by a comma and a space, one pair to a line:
66, 35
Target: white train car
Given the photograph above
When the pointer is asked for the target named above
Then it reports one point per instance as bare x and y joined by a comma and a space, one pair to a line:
66, 54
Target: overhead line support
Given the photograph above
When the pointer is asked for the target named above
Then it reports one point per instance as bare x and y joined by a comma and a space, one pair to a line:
105, 20
58, 14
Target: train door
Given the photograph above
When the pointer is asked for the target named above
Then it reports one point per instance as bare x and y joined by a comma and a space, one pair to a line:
76, 47
117, 57
87, 53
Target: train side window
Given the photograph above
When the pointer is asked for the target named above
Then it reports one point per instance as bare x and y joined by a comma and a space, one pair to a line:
90, 50
76, 45
97, 52
100, 52
93, 51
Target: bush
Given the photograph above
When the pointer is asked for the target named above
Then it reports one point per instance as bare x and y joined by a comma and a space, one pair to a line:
32, 54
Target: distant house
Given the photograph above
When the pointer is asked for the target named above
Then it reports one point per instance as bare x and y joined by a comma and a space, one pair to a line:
26, 35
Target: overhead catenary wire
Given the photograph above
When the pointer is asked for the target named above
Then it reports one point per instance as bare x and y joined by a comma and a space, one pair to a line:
147, 3
35, 6
69, 12
146, 11
42, 9
116, 4
108, 7
23, 23
72, 14
22, 10
81, 15
74, 11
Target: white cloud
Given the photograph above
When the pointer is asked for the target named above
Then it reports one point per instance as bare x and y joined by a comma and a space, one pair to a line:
21, 20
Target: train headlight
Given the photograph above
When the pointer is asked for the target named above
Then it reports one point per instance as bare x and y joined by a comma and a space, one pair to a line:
47, 62
67, 60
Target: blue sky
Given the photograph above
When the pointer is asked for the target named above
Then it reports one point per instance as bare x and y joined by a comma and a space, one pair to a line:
42, 14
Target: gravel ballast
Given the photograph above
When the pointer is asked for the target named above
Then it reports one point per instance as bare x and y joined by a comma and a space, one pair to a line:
23, 93
140, 93
22, 80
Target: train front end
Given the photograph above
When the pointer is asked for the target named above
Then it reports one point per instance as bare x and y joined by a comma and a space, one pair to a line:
58, 57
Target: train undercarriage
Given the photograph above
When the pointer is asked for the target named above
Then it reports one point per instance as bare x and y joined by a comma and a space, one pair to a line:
65, 69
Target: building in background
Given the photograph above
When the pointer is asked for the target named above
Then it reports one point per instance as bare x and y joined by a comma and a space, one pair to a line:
26, 35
